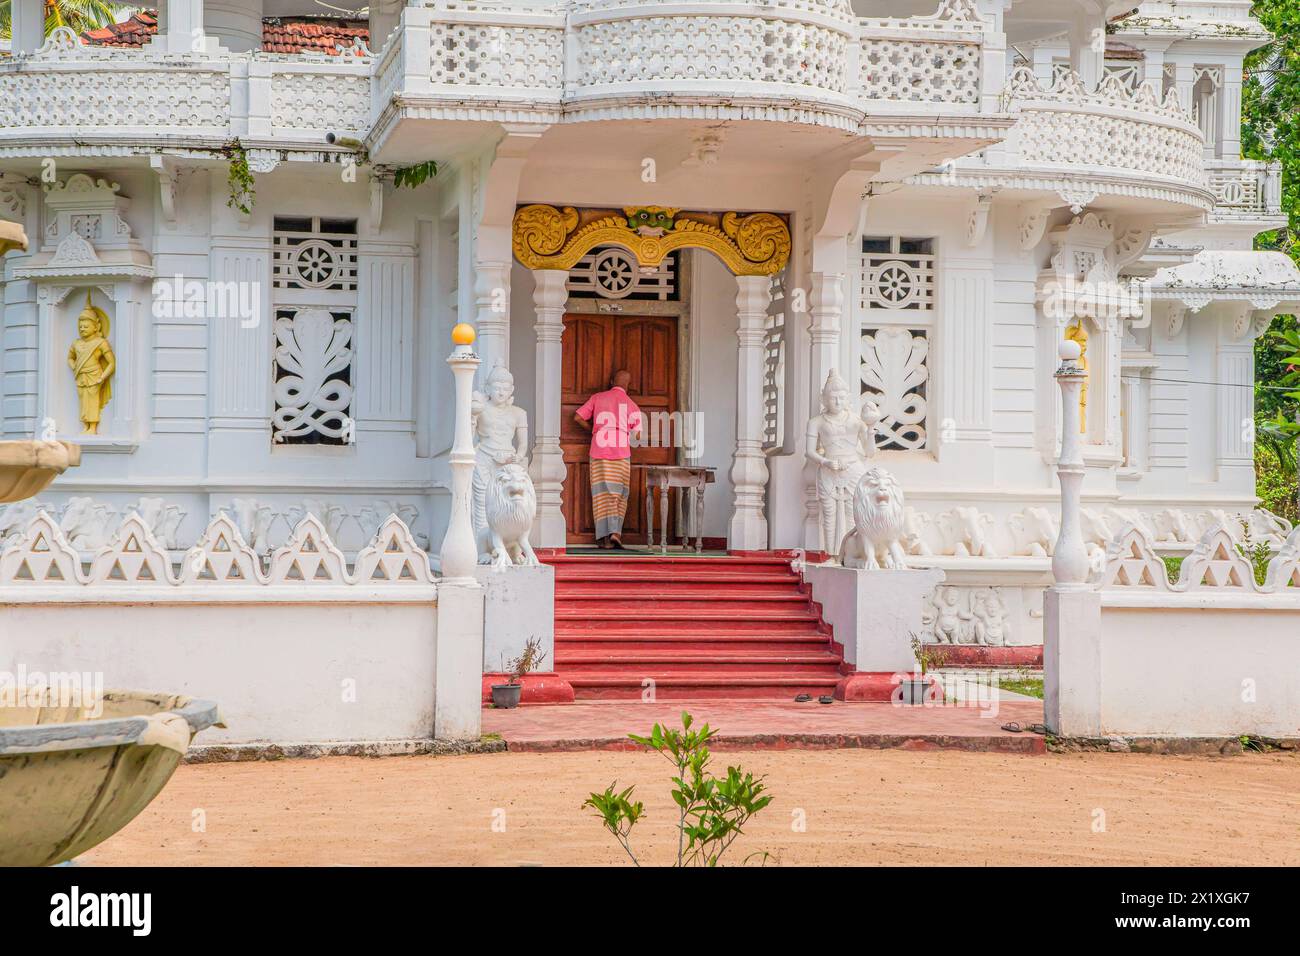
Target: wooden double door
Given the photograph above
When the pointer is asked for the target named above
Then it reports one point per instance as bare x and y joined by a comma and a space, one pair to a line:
596, 346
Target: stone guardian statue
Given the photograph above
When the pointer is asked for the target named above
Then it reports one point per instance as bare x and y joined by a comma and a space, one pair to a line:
840, 443
500, 472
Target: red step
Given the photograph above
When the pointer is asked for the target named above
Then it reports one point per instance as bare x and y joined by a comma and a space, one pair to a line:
730, 627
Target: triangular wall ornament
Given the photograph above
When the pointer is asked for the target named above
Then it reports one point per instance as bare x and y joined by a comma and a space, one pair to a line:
393, 557
40, 555
132, 556
1131, 562
1215, 562
308, 557
221, 556
1284, 569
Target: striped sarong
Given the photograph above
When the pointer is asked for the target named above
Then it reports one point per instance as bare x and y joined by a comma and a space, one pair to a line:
610, 481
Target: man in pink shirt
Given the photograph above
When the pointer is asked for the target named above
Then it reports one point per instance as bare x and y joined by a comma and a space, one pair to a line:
612, 418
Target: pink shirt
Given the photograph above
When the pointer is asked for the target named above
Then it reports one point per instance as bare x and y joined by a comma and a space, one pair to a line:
616, 417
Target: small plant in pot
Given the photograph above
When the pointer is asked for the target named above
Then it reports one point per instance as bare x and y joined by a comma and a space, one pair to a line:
506, 695
928, 656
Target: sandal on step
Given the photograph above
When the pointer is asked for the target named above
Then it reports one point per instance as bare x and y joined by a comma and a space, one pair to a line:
825, 699
1038, 729
803, 698
1012, 728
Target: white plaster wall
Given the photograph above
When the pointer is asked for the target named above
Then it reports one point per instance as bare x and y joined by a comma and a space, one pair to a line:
278, 671
1199, 667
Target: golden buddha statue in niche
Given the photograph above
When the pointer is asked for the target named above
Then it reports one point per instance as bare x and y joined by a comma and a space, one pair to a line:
93, 364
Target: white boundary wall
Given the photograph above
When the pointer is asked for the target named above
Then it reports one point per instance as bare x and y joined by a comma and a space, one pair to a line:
299, 649
1214, 655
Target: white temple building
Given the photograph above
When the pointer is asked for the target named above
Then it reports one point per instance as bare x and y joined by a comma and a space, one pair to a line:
729, 199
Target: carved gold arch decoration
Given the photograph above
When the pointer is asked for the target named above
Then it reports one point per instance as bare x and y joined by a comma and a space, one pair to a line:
752, 244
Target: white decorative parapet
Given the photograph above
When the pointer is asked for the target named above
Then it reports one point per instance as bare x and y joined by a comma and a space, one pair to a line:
69, 90
297, 650
219, 564
1065, 125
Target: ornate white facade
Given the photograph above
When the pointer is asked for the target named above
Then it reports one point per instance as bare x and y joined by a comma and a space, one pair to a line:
961, 188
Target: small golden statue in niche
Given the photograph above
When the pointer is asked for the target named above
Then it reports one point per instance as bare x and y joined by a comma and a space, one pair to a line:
93, 364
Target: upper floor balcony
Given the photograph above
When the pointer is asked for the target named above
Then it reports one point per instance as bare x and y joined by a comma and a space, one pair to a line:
808, 62
1109, 146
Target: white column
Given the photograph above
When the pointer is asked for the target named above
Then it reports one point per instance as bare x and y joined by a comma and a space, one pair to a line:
492, 312
1087, 49
550, 295
180, 28
826, 309
749, 466
28, 25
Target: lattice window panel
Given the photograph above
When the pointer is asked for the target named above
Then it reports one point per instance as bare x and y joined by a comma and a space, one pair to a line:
1238, 190
895, 375
895, 310
774, 369
312, 365
314, 253
611, 272
896, 275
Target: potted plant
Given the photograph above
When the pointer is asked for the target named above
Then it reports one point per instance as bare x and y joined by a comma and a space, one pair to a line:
506, 695
914, 689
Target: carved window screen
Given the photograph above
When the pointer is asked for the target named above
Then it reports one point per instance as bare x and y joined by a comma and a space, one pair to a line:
611, 272
314, 253
895, 315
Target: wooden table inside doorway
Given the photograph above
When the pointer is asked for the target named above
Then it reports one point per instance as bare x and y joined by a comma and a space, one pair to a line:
692, 478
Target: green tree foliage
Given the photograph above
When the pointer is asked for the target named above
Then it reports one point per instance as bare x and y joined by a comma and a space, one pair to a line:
80, 15
1271, 131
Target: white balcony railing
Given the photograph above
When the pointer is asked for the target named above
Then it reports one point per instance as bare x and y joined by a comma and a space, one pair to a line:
70, 91
1112, 129
1246, 189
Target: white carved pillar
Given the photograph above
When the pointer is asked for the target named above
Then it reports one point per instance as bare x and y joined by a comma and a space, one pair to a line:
1070, 557
492, 312
1184, 79
550, 294
826, 311
28, 25
749, 466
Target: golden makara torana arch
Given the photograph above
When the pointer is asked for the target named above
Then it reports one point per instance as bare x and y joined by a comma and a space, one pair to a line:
752, 244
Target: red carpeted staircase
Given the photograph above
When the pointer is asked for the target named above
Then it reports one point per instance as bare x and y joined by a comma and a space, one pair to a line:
706, 627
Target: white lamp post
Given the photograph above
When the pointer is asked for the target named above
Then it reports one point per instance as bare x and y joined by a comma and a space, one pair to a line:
459, 551
459, 675
1070, 557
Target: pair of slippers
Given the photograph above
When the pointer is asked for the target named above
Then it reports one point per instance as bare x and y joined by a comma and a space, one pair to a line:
824, 699
1015, 728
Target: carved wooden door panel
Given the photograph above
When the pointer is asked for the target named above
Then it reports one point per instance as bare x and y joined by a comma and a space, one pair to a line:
595, 346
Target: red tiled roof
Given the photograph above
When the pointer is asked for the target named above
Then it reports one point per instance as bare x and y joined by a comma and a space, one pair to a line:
335, 37
135, 32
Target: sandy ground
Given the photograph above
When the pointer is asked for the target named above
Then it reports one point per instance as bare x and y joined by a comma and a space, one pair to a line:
855, 807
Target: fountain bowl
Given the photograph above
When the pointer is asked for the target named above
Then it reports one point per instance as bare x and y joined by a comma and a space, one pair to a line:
28, 467
70, 777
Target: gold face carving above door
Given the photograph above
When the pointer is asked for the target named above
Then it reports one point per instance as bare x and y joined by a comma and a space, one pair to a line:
546, 237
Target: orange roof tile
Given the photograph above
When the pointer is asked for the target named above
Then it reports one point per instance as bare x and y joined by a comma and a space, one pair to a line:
335, 37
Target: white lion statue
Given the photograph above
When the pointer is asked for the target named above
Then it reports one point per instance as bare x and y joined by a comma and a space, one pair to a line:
878, 520
510, 501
